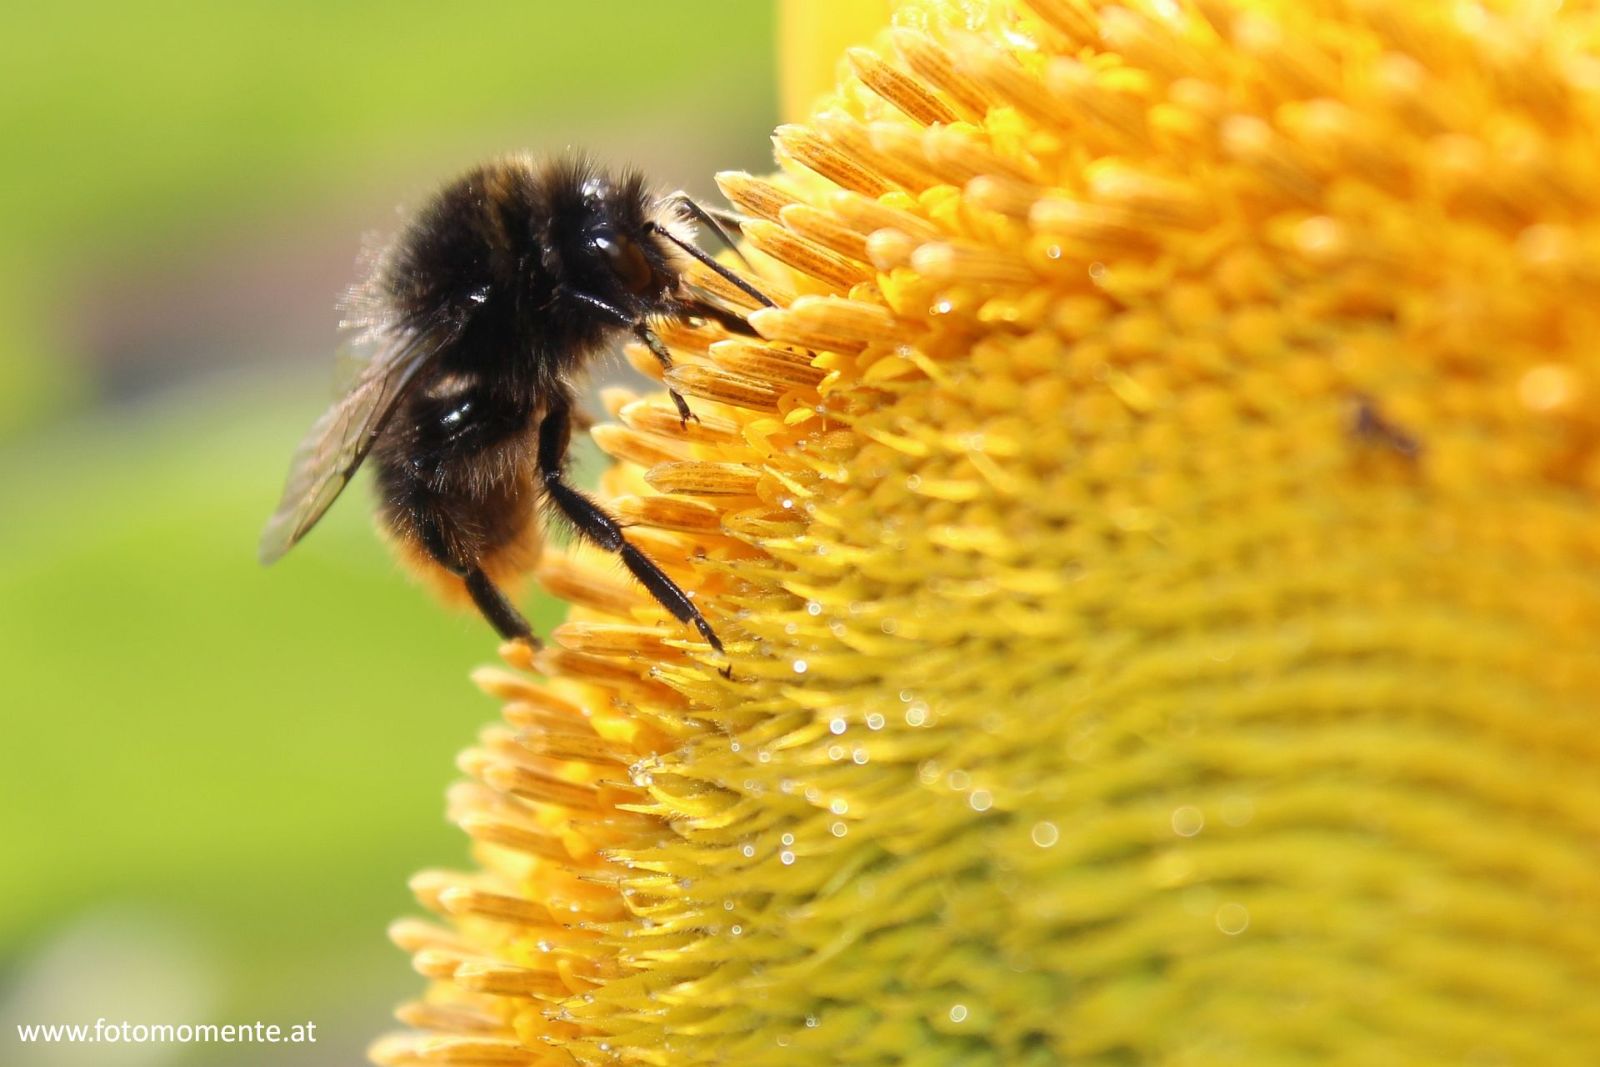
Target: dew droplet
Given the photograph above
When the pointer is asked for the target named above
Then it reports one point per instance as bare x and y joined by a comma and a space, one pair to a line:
1233, 919
958, 1013
800, 666
836, 726
981, 800
1187, 820
1045, 834
1237, 810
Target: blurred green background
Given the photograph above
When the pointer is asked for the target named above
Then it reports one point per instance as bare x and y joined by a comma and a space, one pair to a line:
215, 780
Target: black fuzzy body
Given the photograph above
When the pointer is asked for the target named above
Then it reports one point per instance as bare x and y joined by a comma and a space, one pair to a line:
511, 263
479, 316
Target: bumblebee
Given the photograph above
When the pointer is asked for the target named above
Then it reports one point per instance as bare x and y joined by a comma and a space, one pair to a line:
476, 321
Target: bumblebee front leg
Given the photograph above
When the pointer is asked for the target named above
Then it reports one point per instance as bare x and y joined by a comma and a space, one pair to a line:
601, 529
664, 357
642, 331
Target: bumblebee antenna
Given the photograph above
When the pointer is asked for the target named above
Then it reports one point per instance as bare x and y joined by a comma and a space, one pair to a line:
722, 272
711, 219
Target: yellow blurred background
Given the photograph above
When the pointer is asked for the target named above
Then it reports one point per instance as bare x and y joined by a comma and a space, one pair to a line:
215, 780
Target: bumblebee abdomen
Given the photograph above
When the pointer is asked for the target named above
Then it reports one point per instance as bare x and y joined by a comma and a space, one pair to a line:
455, 469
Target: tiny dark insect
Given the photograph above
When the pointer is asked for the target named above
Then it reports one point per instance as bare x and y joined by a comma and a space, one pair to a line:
478, 318
1370, 423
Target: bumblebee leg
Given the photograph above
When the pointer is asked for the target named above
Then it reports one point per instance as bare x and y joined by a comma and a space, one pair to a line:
494, 605
593, 523
498, 609
664, 357
701, 308
643, 332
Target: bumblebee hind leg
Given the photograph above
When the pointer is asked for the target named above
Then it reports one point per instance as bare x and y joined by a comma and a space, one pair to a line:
490, 600
498, 609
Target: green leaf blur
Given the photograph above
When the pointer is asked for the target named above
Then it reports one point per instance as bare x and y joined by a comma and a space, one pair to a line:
256, 757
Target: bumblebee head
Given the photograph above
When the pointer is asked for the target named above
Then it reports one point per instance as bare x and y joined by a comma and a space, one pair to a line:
605, 240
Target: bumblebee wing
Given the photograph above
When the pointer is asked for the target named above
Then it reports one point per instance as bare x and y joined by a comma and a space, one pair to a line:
328, 457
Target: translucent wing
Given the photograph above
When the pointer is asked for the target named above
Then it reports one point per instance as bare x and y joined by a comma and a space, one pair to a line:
328, 457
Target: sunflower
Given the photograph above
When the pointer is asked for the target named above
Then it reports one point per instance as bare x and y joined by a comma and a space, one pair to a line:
1157, 541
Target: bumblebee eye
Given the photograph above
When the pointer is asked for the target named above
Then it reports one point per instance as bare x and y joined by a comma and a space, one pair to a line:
627, 262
